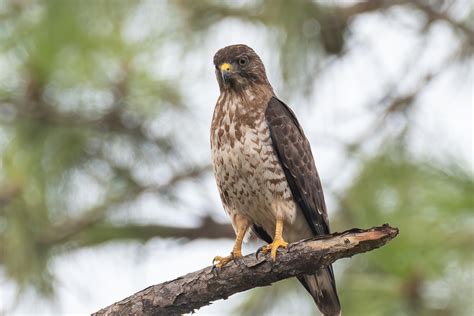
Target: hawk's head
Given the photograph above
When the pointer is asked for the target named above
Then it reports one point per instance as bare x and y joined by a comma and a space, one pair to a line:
238, 67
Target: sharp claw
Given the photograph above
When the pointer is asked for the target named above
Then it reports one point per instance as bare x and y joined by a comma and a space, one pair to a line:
272, 248
215, 262
219, 262
258, 251
238, 261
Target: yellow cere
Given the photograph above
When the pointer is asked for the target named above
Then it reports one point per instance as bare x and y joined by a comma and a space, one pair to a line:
226, 67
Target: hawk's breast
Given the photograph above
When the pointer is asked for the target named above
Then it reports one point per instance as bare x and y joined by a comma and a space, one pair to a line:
249, 176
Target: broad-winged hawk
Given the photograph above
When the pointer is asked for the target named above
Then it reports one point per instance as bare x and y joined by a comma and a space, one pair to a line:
264, 168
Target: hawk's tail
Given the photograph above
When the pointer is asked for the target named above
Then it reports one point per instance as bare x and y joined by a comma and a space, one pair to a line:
322, 288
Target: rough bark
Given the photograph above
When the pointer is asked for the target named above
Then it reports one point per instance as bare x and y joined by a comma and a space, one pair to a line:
194, 290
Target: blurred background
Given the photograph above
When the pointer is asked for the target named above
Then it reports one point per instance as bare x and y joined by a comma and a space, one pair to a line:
105, 180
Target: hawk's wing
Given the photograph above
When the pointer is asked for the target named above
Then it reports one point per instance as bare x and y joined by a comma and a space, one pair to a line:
294, 153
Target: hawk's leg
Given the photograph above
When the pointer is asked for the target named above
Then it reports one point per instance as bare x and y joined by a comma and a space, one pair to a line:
241, 225
277, 241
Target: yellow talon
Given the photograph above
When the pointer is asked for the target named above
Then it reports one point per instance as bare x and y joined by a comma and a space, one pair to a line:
242, 225
273, 247
277, 240
219, 261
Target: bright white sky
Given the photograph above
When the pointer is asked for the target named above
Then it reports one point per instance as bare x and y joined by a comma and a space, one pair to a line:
340, 110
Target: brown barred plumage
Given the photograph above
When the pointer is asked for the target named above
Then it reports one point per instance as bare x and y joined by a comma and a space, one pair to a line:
264, 167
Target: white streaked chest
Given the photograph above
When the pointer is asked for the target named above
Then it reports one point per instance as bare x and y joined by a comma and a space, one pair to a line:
248, 174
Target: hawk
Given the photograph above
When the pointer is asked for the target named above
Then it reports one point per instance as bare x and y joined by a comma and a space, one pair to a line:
264, 168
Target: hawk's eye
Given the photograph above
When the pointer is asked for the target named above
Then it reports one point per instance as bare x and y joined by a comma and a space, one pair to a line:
243, 61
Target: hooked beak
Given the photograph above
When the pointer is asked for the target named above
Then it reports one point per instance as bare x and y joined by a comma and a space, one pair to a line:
226, 71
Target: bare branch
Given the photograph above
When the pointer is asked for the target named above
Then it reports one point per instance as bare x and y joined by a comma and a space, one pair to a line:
200, 288
68, 228
368, 6
105, 232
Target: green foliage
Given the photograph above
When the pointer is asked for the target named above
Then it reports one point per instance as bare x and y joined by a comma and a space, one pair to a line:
433, 207
75, 90
78, 93
303, 33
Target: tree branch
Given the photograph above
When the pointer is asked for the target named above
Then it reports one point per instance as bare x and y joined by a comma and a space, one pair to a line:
68, 228
200, 288
105, 232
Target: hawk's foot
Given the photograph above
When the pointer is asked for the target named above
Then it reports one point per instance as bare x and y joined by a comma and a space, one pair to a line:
273, 247
219, 262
